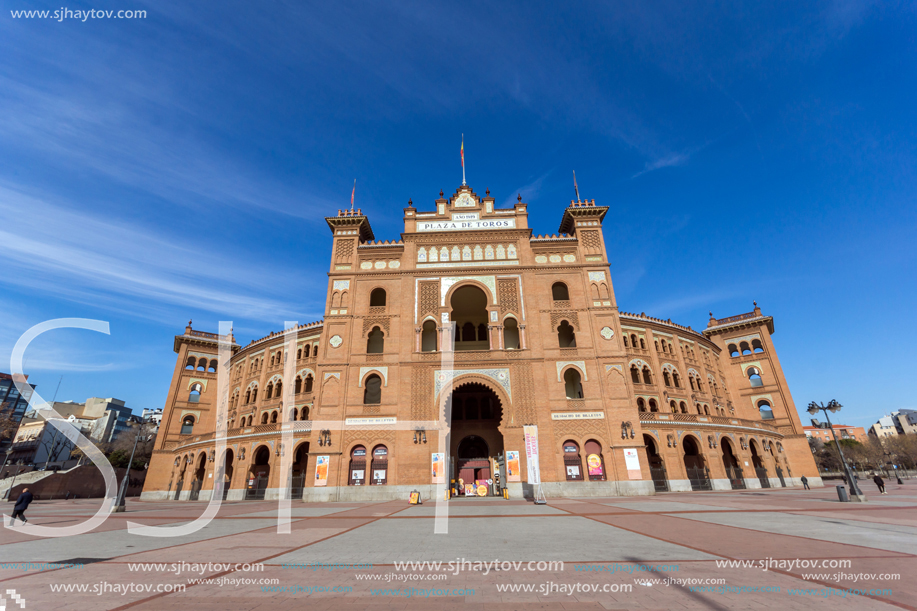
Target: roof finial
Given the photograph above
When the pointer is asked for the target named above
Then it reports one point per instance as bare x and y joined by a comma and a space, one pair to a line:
189, 322
410, 203
519, 198
440, 192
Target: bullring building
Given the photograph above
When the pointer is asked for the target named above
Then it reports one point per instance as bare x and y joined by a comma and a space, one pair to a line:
510, 337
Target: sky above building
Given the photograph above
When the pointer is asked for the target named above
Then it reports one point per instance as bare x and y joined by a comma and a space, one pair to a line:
179, 167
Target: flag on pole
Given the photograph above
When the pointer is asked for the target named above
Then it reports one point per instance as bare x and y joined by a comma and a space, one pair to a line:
352, 193
462, 152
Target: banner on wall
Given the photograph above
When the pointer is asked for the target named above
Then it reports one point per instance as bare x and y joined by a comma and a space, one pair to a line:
439, 468
632, 464
513, 471
531, 453
594, 463
321, 470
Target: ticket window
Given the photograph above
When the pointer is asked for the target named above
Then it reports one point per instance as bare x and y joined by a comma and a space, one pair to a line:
357, 475
573, 464
379, 466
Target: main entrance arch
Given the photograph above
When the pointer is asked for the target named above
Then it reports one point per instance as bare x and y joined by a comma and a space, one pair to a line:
476, 442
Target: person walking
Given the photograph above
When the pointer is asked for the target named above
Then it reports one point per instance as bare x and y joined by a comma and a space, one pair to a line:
805, 482
880, 483
22, 503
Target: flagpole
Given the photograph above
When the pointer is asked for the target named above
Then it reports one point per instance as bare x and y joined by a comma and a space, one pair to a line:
352, 193
463, 160
575, 187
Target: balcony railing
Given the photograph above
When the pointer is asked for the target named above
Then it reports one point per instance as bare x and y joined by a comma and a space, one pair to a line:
698, 418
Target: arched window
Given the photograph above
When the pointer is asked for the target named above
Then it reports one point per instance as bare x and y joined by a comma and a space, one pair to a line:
269, 391
572, 384
375, 341
559, 292
653, 406
202, 365
633, 341
691, 380
642, 344
684, 408
468, 333
372, 395
510, 334
625, 341
706, 411
304, 413
595, 462
195, 395
665, 378
278, 390
273, 417
297, 385
764, 408
675, 380
641, 404
428, 337
566, 338
754, 376
674, 407
191, 362
482, 333
299, 354
264, 418
657, 345
733, 351
254, 394
379, 470
377, 298
647, 377
634, 374
745, 348
573, 463
293, 414
469, 311
249, 421
699, 389
187, 425
309, 380
756, 346
248, 397
212, 367
305, 351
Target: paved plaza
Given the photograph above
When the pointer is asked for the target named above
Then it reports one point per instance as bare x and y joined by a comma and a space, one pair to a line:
671, 551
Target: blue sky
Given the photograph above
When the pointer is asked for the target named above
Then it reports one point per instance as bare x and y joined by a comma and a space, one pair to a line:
180, 166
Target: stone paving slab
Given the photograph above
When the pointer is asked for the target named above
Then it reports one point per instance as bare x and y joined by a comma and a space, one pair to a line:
890, 537
478, 510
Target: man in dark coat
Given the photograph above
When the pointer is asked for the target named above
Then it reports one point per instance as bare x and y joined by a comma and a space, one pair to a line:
805, 482
22, 503
880, 483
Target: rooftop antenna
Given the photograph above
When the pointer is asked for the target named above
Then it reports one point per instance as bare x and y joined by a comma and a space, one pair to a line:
575, 187
352, 193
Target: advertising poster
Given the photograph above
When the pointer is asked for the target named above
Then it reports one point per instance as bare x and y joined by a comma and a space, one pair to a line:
513, 471
632, 464
531, 453
321, 470
594, 463
439, 466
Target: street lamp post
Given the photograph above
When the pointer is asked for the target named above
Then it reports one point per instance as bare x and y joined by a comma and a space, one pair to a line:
834, 406
119, 507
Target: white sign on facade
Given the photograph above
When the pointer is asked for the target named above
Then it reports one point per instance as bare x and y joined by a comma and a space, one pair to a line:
465, 216
578, 416
466, 225
363, 421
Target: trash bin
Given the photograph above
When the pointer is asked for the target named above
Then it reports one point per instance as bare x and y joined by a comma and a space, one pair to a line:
842, 494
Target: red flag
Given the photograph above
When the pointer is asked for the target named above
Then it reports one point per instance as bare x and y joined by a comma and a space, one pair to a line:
352, 193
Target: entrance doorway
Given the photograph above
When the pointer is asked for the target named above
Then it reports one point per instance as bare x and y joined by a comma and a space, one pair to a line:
227, 472
760, 469
258, 476
198, 478
733, 470
695, 466
477, 442
657, 465
300, 468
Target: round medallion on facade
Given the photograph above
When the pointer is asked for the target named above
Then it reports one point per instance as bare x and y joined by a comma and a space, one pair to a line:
555, 258
366, 265
380, 264
570, 258
607, 332
394, 264
335, 341
541, 259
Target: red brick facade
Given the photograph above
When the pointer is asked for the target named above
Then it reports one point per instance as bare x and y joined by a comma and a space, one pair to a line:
538, 339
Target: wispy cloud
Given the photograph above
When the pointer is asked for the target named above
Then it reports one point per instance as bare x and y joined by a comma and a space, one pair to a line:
81, 257
674, 159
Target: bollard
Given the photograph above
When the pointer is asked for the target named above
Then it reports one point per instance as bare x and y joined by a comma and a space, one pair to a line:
842, 495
